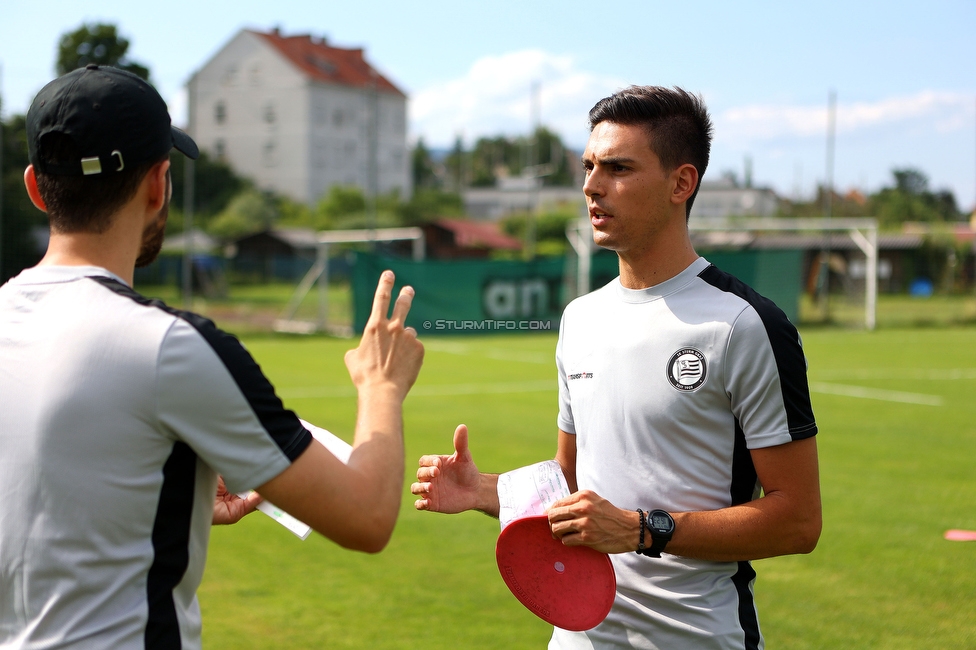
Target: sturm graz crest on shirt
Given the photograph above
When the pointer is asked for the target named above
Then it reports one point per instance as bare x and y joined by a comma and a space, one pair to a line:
687, 369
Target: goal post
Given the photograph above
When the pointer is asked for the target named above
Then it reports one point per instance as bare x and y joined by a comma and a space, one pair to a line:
863, 232
319, 274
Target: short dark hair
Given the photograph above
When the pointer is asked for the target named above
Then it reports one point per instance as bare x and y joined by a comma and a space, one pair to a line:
84, 203
677, 123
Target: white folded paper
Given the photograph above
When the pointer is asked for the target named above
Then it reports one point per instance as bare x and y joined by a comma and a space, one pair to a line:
529, 491
339, 448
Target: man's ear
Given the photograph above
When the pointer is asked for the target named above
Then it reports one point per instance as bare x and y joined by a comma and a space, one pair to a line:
685, 181
157, 190
30, 180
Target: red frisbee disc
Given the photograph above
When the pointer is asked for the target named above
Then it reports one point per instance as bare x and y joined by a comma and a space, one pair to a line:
570, 587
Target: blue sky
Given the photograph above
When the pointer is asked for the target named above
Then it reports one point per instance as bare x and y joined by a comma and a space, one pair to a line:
904, 72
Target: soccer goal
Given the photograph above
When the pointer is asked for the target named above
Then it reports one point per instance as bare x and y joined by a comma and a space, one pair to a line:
822, 235
319, 275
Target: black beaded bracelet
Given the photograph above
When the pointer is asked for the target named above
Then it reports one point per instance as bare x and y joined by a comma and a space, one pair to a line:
640, 542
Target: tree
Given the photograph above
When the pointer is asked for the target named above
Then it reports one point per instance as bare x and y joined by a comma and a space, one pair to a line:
911, 200
550, 229
96, 43
550, 151
249, 212
342, 202
422, 167
455, 166
18, 249
500, 156
214, 186
427, 204
492, 158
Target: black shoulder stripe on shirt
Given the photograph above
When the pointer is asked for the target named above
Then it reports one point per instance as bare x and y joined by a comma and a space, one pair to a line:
280, 423
785, 342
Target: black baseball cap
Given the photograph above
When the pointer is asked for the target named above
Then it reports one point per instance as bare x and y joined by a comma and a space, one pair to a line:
115, 118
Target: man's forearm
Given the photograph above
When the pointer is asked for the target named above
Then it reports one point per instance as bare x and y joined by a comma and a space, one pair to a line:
378, 449
766, 527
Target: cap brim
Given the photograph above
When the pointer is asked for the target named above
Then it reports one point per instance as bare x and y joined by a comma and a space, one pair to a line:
571, 587
184, 144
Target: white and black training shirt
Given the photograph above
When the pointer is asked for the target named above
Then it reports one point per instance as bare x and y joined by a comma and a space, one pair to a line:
116, 414
667, 389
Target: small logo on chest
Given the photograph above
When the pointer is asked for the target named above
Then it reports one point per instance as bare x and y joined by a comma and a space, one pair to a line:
687, 369
580, 375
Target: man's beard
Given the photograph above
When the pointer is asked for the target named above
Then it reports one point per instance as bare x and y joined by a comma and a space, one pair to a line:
152, 236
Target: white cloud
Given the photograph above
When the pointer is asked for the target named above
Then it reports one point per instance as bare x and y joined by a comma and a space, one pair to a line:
770, 121
495, 97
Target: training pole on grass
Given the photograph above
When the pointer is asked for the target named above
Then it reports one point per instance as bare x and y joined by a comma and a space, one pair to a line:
319, 273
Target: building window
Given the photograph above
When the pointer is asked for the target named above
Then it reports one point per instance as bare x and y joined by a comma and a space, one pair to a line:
220, 112
269, 113
255, 74
319, 156
220, 150
321, 113
270, 154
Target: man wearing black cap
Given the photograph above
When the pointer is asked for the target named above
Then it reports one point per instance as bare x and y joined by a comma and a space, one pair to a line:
118, 413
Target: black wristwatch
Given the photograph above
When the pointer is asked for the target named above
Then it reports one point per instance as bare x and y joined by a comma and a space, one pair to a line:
661, 526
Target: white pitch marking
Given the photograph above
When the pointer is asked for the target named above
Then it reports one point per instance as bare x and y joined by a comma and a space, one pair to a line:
875, 393
311, 392
916, 374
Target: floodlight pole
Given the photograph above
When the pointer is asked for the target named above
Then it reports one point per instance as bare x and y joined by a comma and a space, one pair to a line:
188, 177
828, 202
533, 165
372, 153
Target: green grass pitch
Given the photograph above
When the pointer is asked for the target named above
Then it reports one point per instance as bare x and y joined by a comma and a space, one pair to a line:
897, 442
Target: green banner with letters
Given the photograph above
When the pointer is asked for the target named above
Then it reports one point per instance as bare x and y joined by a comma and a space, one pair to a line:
467, 296
493, 296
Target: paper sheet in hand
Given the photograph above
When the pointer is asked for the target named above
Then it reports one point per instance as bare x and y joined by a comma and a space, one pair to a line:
530, 491
339, 448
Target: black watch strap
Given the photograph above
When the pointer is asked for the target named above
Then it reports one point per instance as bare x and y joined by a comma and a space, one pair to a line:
661, 526
657, 545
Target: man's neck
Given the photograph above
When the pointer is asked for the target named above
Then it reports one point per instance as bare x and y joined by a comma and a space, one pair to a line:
666, 257
112, 250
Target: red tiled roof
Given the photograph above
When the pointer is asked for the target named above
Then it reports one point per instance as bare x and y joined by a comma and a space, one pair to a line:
322, 62
479, 234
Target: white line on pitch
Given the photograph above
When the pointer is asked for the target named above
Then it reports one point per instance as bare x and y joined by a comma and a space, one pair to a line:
425, 391
932, 374
875, 393
501, 354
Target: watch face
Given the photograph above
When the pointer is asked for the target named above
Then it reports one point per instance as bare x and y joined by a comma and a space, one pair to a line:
661, 522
